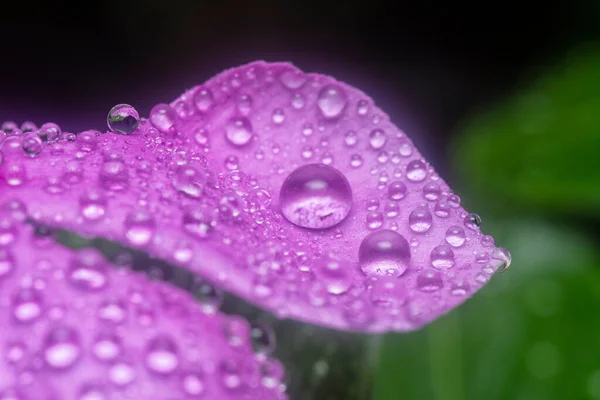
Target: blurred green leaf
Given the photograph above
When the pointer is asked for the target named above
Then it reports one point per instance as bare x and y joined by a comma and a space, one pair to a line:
531, 333
540, 149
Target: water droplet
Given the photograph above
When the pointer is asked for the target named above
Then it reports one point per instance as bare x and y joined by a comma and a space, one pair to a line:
114, 175
93, 204
232, 162
459, 288
455, 236
487, 241
420, 220
388, 292
139, 227
236, 331
441, 209
238, 131
203, 99
262, 339
121, 374
334, 274
473, 221
272, 373
315, 196
163, 117
278, 116
453, 200
88, 270
377, 139
207, 294
430, 281
193, 384
504, 256
61, 348
442, 257
298, 101
123, 119
397, 190
293, 78
91, 391
350, 138
431, 191
162, 355
27, 305
107, 347
374, 220
189, 180
405, 149
416, 171
384, 253
32, 145
332, 101
244, 104
49, 132
199, 221
362, 107
391, 209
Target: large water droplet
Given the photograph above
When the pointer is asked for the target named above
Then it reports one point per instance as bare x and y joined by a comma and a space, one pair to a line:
123, 118
384, 253
397, 190
332, 101
315, 196
49, 132
238, 131
473, 221
32, 145
504, 256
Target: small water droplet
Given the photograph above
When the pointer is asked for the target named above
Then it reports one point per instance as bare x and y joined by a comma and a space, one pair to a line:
27, 305
61, 348
123, 119
298, 101
504, 256
88, 270
473, 221
107, 347
362, 107
163, 117
453, 200
199, 221
189, 180
455, 236
262, 339
203, 99
397, 190
139, 227
315, 196
332, 101
430, 281
334, 273
244, 104
441, 209
32, 145
121, 374
420, 220
93, 204
374, 220
377, 139
278, 116
431, 191
193, 384
49, 132
238, 131
416, 171
442, 257
162, 355
384, 253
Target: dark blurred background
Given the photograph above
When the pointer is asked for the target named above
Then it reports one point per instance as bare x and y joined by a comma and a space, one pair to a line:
503, 98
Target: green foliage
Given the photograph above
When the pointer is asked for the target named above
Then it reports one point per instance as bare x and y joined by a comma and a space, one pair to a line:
540, 149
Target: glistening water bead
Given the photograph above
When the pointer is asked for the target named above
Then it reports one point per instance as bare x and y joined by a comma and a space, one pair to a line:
315, 196
384, 253
123, 119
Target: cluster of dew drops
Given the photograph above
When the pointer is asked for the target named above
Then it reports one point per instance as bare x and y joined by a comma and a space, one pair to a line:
314, 197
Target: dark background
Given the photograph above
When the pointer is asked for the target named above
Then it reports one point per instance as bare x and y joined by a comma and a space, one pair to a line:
429, 62
498, 96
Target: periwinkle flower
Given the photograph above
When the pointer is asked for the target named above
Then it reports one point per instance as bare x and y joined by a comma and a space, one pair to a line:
250, 181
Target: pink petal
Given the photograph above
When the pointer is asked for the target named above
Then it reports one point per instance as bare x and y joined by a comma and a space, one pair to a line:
378, 243
74, 327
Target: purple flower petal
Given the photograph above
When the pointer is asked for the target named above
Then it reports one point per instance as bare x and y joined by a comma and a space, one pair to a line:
292, 190
73, 327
